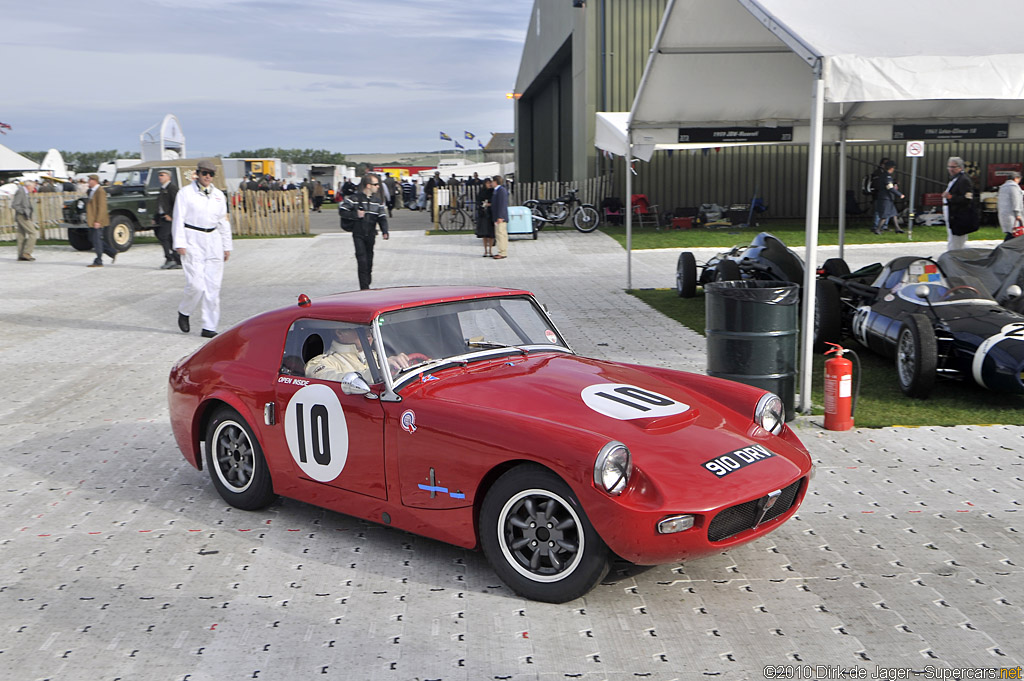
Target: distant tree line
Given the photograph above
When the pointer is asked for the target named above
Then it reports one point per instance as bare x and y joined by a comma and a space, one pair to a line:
293, 155
82, 161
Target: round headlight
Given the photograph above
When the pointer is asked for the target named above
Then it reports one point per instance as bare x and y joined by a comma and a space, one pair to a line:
770, 413
613, 467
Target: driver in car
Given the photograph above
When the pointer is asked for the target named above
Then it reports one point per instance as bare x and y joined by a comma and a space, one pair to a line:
344, 356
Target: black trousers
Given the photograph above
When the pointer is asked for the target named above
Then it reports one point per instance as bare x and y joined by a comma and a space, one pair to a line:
100, 245
163, 235
364, 256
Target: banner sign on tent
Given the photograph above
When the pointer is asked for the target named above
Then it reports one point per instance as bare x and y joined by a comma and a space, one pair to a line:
952, 131
726, 135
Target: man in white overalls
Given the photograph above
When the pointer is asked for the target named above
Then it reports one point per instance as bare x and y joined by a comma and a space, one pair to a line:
201, 233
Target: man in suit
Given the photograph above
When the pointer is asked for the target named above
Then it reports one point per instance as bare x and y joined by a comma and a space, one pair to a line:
28, 231
164, 215
97, 217
958, 205
499, 212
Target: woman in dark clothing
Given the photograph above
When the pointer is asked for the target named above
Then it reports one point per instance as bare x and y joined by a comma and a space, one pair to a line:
484, 223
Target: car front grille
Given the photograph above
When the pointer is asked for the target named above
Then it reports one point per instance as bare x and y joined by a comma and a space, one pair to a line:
736, 519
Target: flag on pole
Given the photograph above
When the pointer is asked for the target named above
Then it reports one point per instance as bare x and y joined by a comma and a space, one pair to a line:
445, 136
459, 146
470, 136
481, 144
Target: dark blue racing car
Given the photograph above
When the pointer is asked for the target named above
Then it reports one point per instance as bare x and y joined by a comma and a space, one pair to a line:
932, 322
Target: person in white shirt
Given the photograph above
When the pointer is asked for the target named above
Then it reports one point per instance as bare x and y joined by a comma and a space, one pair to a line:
201, 232
344, 356
1011, 205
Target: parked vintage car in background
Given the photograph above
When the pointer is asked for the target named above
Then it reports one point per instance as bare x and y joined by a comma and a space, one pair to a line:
765, 258
462, 414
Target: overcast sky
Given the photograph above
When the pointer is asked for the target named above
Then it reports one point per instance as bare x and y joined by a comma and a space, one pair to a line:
351, 77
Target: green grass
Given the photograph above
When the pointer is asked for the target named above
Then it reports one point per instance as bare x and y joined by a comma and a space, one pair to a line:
880, 402
791, 232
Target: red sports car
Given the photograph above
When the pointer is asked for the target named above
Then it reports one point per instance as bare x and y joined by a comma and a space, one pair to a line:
461, 414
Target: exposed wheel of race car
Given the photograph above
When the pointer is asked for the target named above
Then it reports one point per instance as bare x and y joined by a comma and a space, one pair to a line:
835, 267
235, 462
80, 239
916, 356
727, 270
828, 324
585, 219
538, 539
686, 275
120, 233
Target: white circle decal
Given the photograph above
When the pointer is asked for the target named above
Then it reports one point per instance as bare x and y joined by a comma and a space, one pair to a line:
1011, 331
314, 425
625, 402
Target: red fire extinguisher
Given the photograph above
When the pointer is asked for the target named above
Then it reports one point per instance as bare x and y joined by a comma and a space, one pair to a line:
840, 397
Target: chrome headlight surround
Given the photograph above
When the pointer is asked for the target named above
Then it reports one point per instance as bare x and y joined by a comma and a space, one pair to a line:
770, 413
613, 468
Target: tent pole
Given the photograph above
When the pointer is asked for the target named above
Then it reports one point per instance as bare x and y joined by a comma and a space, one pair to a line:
842, 190
810, 262
629, 216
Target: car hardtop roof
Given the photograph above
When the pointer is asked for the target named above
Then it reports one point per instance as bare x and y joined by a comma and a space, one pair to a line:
362, 306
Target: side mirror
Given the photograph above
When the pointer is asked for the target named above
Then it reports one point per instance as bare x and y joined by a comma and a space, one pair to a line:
1013, 292
922, 291
353, 384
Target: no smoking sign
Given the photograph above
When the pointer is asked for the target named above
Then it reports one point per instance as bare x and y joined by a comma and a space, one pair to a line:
915, 149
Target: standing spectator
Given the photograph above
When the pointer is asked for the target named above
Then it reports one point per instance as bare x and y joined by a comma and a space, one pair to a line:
499, 212
1011, 206
484, 223
97, 217
347, 188
28, 231
421, 195
164, 214
432, 184
394, 195
958, 205
360, 213
318, 195
202, 237
408, 197
886, 194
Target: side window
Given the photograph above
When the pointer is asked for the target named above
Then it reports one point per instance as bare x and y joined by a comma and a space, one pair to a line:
154, 178
327, 351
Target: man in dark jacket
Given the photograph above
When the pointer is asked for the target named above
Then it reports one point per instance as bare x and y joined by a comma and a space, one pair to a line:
958, 205
362, 213
499, 213
886, 194
164, 215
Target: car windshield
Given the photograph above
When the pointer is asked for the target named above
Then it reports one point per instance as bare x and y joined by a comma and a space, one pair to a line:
465, 330
923, 282
131, 178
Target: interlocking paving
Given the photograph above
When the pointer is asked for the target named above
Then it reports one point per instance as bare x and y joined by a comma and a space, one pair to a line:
119, 561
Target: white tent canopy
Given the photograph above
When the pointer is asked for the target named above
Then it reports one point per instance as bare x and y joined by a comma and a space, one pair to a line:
830, 71
11, 161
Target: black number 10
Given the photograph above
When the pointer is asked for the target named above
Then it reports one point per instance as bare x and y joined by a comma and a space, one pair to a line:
638, 396
320, 432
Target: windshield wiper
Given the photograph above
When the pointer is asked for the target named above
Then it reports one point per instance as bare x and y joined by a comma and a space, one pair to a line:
492, 344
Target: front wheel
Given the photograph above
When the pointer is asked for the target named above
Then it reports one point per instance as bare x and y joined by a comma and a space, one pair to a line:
538, 539
585, 219
235, 461
916, 356
452, 220
686, 275
120, 233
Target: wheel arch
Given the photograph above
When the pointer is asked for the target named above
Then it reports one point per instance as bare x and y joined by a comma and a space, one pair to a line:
124, 213
204, 414
491, 477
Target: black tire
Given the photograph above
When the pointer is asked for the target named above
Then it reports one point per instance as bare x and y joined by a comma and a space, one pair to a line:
120, 233
80, 239
727, 270
586, 219
828, 321
235, 462
835, 267
535, 232
452, 220
509, 517
537, 215
916, 357
686, 275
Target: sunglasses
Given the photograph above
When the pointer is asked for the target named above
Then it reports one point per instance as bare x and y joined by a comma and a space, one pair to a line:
373, 184
208, 173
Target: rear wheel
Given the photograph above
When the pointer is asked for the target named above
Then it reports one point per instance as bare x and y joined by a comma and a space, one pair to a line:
537, 215
916, 356
585, 219
120, 233
727, 270
686, 275
235, 461
538, 539
80, 239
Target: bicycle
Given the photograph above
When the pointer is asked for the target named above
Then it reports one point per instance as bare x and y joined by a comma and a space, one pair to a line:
453, 218
585, 217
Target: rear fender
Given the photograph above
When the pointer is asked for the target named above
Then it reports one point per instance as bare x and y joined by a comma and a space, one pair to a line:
205, 412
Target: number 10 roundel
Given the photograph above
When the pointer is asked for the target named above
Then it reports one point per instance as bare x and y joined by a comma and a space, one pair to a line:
625, 402
314, 425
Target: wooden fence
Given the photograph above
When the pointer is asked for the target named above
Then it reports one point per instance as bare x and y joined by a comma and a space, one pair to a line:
270, 213
48, 213
592, 190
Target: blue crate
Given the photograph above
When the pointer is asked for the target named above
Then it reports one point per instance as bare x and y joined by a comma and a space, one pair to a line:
520, 221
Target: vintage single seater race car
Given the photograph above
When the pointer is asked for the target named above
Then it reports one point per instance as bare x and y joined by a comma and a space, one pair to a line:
462, 414
999, 268
932, 322
765, 258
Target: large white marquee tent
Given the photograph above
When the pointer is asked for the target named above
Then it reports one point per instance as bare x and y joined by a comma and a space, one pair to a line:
830, 71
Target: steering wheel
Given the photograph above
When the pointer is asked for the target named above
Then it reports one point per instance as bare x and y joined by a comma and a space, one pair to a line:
417, 357
959, 288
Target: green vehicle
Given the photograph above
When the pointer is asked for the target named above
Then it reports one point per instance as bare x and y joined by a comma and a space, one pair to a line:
131, 201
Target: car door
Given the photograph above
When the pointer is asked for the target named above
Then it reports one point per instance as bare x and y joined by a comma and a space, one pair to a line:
333, 438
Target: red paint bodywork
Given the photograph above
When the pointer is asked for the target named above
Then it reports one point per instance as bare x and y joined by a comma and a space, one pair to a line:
479, 419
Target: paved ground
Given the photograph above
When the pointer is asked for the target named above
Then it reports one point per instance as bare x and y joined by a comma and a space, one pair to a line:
119, 561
